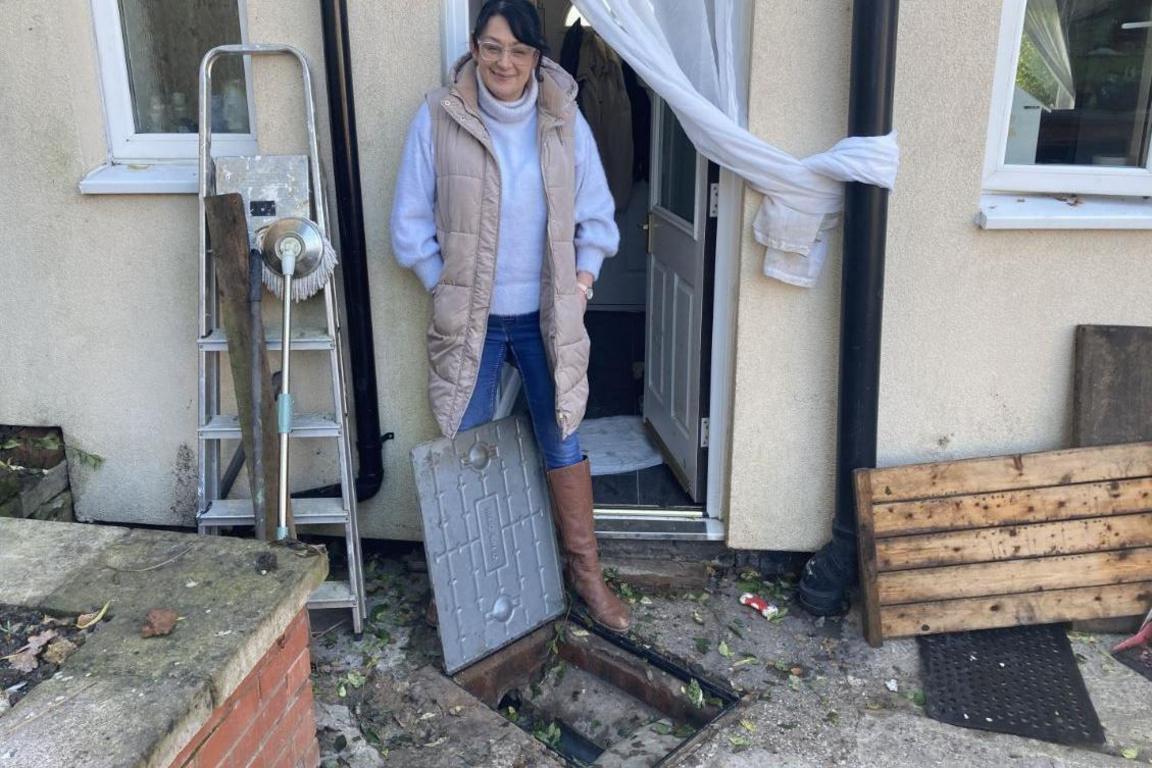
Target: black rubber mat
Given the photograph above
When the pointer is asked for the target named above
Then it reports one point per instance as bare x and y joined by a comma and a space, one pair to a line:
1139, 659
1022, 681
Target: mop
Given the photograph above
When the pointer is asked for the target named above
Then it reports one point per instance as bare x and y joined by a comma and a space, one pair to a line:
300, 260
304, 286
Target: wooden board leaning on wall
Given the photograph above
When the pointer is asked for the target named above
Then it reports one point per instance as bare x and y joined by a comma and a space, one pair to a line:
1004, 541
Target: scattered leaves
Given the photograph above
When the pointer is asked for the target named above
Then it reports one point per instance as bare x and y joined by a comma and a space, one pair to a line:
739, 742
1130, 753
25, 659
724, 650
58, 650
694, 693
748, 725
662, 728
86, 620
696, 617
549, 734
747, 658
159, 622
702, 645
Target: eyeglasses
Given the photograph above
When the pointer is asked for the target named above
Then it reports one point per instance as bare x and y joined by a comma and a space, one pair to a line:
492, 52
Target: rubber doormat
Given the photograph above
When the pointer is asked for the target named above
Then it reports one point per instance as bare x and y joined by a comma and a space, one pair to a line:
1138, 659
1021, 680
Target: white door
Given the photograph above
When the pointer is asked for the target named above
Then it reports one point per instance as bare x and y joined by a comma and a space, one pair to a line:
677, 222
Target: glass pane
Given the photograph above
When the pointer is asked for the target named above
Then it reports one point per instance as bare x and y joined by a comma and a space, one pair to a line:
677, 168
164, 41
1082, 84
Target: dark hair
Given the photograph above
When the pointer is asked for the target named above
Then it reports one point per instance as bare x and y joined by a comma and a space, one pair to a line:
522, 19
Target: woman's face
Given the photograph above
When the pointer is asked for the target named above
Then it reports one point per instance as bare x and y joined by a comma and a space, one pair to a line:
504, 63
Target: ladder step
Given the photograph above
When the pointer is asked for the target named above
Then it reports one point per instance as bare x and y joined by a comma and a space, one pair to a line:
227, 426
222, 512
333, 594
302, 339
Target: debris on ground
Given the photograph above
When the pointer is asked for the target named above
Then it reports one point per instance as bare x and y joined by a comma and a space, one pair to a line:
159, 622
814, 694
760, 605
33, 646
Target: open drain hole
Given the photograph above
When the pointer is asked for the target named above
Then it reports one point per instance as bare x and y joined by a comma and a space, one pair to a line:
595, 698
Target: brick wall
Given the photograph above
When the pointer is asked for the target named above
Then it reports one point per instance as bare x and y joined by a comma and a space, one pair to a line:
267, 722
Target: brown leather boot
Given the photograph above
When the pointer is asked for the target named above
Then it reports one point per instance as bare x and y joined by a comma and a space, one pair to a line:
572, 510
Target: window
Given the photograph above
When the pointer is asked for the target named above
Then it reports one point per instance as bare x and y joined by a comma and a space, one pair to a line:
1071, 103
150, 52
676, 190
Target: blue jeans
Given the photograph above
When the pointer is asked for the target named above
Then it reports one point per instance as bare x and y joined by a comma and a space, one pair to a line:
519, 336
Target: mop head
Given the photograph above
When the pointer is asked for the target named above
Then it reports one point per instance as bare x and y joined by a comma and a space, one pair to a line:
303, 286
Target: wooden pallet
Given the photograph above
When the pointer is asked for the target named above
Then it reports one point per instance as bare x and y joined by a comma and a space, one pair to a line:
1025, 539
1111, 403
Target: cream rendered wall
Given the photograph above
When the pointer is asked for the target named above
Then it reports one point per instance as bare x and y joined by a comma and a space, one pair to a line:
396, 60
98, 297
978, 326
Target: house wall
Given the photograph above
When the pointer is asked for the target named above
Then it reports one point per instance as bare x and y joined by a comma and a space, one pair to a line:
98, 303
99, 292
978, 325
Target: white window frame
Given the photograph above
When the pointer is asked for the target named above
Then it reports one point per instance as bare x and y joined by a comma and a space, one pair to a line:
1004, 177
125, 144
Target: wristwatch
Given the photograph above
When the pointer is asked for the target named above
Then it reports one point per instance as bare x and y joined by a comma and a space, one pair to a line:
588, 292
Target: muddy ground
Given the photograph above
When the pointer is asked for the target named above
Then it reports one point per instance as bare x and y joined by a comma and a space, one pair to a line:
814, 694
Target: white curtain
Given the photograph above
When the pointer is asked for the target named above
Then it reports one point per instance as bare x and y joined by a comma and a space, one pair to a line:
1044, 29
687, 51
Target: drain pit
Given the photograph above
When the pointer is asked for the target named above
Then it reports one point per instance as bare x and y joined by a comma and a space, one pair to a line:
597, 699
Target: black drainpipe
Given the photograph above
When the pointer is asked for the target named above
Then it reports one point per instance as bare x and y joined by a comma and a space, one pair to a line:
833, 570
353, 254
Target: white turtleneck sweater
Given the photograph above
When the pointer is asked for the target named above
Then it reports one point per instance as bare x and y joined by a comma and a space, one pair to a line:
523, 211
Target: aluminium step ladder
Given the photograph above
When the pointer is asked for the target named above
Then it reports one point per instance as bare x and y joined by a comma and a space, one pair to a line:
273, 187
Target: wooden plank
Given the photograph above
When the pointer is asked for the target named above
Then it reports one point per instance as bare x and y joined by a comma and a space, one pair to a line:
248, 356
1033, 505
1013, 610
1112, 385
1006, 473
866, 549
1111, 403
1015, 576
1014, 542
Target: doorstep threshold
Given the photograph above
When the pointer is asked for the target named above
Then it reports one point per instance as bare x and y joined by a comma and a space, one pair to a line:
656, 524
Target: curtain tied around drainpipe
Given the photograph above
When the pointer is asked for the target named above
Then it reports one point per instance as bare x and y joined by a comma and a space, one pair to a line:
686, 51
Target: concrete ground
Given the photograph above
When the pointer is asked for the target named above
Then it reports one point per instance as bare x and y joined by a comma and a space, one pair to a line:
815, 694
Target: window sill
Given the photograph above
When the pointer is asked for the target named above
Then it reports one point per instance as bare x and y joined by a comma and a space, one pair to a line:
1033, 211
142, 179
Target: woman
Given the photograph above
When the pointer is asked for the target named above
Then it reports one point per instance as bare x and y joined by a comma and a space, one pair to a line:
503, 212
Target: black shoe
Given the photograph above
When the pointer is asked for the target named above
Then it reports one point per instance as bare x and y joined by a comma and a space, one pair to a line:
828, 578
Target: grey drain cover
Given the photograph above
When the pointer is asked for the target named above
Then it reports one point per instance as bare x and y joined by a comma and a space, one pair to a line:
488, 538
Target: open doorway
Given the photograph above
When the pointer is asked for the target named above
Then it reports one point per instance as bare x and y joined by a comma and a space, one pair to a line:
649, 360
646, 429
